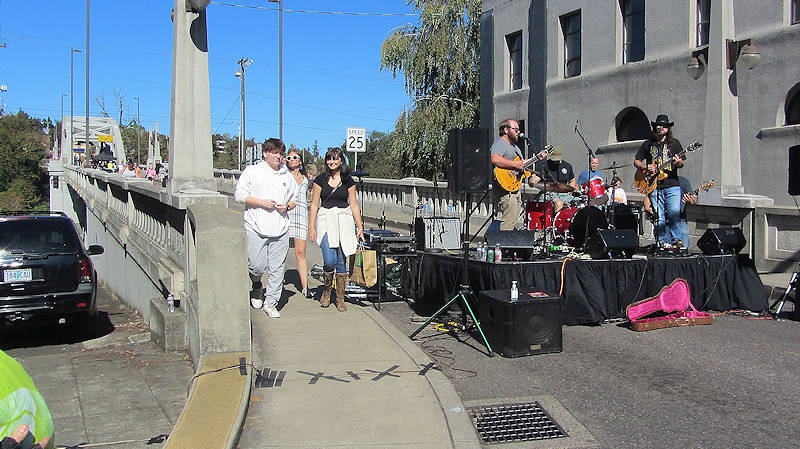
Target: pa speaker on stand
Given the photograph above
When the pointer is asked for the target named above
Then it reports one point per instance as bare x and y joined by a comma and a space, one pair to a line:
469, 153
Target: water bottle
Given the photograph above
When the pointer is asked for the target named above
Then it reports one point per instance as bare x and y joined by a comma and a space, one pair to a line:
171, 302
514, 291
498, 255
490, 254
479, 253
450, 210
484, 251
426, 211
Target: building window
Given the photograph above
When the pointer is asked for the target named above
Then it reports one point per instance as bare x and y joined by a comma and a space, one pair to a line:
514, 42
703, 21
792, 108
795, 12
571, 27
632, 30
631, 124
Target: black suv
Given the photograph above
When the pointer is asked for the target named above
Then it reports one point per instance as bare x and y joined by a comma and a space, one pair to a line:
45, 271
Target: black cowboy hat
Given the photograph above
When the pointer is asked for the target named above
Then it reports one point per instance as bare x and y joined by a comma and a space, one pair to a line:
662, 120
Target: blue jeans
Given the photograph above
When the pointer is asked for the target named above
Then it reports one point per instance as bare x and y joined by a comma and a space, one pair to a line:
685, 233
668, 200
332, 258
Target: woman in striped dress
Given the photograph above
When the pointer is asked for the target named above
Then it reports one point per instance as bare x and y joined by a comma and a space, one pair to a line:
298, 218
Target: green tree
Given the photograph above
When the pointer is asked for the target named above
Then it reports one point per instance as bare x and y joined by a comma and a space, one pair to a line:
379, 159
23, 147
439, 59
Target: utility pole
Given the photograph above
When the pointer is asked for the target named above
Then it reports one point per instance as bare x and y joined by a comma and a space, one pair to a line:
86, 151
71, 102
61, 131
243, 64
280, 66
138, 124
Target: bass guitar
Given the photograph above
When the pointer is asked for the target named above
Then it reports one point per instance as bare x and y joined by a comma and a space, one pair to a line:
645, 183
703, 187
511, 179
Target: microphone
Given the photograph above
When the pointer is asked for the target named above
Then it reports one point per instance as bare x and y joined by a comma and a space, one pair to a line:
359, 173
526, 138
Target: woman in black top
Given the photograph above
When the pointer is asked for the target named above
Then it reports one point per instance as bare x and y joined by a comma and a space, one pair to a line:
332, 220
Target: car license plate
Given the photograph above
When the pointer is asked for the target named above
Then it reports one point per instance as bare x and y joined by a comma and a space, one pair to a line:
17, 275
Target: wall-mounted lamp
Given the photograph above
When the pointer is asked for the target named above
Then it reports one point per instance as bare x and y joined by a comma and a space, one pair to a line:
196, 5
743, 49
697, 63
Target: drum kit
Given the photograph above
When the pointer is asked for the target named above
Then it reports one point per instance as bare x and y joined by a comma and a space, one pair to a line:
580, 218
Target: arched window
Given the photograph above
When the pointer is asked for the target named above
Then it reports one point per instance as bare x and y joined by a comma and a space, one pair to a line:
632, 124
792, 108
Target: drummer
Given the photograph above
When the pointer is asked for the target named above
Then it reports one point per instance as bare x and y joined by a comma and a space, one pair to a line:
559, 172
588, 174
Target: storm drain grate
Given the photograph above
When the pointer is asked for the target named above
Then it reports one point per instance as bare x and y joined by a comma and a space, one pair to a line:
506, 423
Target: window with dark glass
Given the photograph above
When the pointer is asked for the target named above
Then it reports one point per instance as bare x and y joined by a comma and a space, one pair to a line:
703, 21
514, 42
792, 109
631, 124
632, 30
571, 27
795, 12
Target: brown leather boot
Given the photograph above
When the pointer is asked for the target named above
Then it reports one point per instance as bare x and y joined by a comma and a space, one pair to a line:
325, 300
341, 283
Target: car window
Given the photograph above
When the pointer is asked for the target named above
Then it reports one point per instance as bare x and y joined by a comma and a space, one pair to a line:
37, 236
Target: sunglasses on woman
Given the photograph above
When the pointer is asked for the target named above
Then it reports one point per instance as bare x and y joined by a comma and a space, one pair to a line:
292, 158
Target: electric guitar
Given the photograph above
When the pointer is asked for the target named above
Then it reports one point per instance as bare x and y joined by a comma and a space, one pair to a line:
703, 187
511, 179
645, 183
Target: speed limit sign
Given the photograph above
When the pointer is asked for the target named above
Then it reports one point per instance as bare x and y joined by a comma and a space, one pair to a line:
356, 140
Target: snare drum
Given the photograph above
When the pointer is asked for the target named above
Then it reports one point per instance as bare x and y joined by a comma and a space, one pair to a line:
572, 224
595, 189
539, 214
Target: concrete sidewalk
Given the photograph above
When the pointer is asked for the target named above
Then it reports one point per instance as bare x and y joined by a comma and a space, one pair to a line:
346, 379
331, 379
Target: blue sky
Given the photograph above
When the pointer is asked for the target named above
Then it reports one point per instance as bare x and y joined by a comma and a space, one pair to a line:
331, 77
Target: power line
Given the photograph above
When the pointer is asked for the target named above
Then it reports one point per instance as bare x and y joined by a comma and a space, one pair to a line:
306, 11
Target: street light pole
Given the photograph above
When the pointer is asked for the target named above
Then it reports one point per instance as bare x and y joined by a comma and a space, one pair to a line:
138, 147
243, 64
280, 67
71, 100
61, 131
86, 150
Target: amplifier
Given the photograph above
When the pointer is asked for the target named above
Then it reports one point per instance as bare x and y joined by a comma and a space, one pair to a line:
437, 232
527, 326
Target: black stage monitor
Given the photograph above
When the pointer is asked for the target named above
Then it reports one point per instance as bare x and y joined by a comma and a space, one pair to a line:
721, 241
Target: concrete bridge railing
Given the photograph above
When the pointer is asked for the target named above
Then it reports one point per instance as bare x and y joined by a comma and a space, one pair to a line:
188, 245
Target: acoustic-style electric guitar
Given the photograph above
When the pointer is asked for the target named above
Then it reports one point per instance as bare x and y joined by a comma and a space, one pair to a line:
645, 183
510, 179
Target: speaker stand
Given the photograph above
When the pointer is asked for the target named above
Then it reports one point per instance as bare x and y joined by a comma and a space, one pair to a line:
778, 304
464, 292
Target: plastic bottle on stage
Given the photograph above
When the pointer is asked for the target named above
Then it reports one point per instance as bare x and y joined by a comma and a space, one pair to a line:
480, 252
450, 211
426, 211
514, 291
490, 254
498, 255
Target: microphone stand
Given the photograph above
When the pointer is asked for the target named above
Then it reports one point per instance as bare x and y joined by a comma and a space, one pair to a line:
546, 229
589, 155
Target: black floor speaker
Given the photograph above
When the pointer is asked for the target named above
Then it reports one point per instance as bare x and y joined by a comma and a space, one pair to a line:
721, 241
527, 326
612, 243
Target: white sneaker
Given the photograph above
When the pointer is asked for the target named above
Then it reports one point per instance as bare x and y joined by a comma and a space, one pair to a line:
272, 311
256, 303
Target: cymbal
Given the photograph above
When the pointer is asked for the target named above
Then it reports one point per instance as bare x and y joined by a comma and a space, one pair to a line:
556, 187
615, 166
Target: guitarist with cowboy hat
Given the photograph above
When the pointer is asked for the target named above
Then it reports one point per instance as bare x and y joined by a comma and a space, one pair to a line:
662, 148
506, 155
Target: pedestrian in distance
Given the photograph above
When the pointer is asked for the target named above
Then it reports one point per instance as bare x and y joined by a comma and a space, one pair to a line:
268, 192
298, 218
332, 222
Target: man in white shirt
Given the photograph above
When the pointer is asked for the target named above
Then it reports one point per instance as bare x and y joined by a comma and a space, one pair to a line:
267, 190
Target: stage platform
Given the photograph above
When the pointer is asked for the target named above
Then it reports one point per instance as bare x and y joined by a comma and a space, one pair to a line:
595, 290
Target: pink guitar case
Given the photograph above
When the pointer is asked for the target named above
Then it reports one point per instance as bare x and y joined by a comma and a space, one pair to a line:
674, 297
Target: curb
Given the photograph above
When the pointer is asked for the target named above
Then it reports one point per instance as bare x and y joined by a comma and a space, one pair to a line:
462, 433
